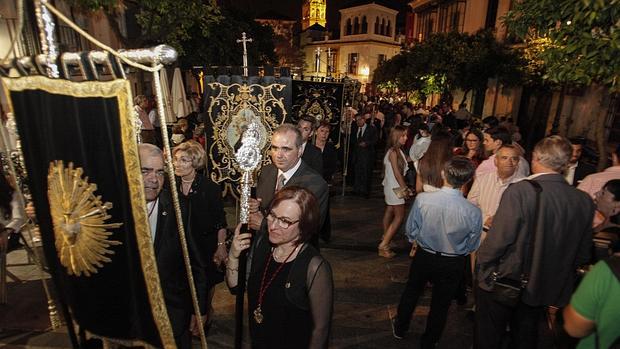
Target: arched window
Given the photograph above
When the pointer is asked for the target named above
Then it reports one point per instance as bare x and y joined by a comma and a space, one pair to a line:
348, 26
388, 29
377, 26
382, 30
364, 25
356, 26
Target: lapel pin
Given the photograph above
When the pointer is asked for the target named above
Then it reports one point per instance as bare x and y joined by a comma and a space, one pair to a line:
164, 213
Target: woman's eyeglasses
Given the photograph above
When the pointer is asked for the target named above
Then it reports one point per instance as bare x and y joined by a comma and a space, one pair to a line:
280, 221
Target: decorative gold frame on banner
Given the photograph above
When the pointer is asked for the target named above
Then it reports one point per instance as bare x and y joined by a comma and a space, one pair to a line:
121, 90
316, 109
236, 106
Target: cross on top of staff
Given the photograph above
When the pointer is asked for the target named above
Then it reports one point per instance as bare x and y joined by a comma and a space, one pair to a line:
244, 39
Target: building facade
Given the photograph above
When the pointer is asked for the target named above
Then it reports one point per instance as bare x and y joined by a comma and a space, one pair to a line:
589, 112
284, 37
367, 38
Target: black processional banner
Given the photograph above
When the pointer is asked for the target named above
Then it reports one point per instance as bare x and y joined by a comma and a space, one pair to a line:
81, 157
323, 100
231, 104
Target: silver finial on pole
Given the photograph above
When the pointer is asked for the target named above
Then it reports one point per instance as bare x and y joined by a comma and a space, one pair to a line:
329, 59
244, 39
317, 63
47, 38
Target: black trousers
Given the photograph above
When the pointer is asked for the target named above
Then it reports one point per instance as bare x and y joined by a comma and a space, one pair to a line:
445, 273
364, 161
493, 318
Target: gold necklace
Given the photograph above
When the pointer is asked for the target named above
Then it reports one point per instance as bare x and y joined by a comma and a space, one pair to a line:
188, 180
280, 257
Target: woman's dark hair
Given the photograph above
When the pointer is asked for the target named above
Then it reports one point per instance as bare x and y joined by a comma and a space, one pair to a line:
613, 186
309, 215
6, 195
438, 153
480, 151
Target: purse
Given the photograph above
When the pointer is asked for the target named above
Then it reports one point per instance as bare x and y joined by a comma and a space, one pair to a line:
507, 291
402, 192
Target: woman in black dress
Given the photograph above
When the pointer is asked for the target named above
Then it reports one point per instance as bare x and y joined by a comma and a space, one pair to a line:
330, 166
290, 286
204, 214
330, 156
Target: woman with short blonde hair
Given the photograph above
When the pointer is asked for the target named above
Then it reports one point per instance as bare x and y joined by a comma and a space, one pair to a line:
206, 219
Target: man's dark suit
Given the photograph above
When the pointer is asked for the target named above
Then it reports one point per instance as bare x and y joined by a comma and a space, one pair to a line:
563, 242
363, 158
304, 177
172, 276
583, 169
313, 157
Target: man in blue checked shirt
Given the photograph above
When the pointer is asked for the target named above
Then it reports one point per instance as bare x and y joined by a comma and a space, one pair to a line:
446, 228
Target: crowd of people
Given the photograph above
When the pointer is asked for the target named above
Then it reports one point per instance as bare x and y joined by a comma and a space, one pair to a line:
482, 220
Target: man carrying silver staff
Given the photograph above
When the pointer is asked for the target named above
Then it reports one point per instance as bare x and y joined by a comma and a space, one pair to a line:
287, 169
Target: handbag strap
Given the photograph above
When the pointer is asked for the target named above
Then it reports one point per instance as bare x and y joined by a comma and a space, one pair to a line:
527, 263
613, 263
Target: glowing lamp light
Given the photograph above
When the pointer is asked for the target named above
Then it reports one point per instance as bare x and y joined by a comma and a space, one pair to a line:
365, 70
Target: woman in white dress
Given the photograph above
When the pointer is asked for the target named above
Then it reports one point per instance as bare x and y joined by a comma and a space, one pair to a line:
395, 167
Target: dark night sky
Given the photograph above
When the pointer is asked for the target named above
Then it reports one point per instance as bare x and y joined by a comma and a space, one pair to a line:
292, 8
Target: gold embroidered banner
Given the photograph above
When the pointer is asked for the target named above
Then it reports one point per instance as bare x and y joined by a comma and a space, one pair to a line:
80, 152
231, 109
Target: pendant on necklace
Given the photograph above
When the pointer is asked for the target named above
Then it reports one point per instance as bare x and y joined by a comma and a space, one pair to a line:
258, 315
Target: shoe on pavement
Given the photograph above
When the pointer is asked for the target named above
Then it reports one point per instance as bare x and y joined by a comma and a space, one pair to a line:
397, 333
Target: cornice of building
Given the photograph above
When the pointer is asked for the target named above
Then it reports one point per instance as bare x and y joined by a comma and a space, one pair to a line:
368, 7
420, 5
341, 42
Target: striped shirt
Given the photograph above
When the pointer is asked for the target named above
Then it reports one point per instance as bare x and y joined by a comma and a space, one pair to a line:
487, 190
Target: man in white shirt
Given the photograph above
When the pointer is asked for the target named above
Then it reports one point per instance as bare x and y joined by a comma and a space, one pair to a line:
595, 182
577, 170
420, 145
487, 190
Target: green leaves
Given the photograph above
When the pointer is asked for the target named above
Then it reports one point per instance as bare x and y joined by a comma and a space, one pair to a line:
200, 31
584, 40
451, 60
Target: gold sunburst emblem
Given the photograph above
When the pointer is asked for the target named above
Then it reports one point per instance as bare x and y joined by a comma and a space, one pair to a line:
79, 220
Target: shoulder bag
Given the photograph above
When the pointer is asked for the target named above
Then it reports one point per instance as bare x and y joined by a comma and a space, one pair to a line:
506, 290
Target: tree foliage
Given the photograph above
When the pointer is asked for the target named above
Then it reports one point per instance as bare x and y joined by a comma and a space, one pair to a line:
159, 21
200, 31
581, 39
221, 47
446, 61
